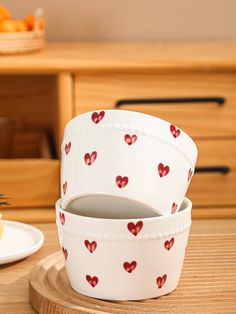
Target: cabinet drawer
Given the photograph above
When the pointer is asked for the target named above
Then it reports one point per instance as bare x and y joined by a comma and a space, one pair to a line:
30, 182
94, 92
215, 189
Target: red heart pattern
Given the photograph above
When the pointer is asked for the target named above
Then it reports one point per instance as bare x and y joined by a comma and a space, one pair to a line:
168, 244
93, 281
62, 218
161, 280
97, 117
130, 139
67, 148
175, 132
129, 267
122, 181
64, 187
135, 228
163, 170
91, 246
65, 252
174, 208
89, 159
190, 173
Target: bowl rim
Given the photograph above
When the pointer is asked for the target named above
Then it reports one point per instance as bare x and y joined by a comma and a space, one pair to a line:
65, 203
128, 112
191, 155
186, 204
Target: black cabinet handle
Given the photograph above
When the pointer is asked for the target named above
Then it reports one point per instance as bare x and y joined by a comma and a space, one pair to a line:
182, 100
3, 200
213, 169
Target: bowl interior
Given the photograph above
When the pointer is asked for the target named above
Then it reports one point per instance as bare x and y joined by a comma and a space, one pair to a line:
110, 207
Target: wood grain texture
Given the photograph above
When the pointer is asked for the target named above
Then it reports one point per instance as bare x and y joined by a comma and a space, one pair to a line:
30, 182
212, 212
32, 215
215, 189
65, 107
29, 100
30, 144
209, 272
118, 56
94, 92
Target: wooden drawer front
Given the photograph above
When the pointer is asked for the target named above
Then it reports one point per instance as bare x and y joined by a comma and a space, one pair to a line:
200, 119
215, 189
30, 182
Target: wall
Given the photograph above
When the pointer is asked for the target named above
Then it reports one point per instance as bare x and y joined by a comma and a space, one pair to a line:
133, 19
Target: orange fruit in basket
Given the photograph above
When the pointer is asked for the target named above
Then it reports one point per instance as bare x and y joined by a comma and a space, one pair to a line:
41, 23
4, 13
20, 26
30, 22
7, 26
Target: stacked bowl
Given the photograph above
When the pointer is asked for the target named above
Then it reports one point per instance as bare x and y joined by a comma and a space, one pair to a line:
123, 219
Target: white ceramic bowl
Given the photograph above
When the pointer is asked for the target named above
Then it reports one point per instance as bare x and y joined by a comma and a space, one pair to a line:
120, 259
127, 162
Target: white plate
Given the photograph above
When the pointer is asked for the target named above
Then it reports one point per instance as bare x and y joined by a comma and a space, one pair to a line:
19, 241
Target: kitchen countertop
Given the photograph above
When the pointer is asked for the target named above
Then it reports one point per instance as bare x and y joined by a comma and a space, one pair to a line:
207, 285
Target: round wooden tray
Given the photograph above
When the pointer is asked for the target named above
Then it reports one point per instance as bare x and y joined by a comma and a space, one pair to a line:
50, 292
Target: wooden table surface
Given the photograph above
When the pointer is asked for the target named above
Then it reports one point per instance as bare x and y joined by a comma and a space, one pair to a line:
125, 56
210, 263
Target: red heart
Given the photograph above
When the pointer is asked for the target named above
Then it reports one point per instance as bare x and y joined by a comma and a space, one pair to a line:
97, 117
65, 252
67, 148
173, 208
91, 246
92, 280
64, 187
89, 159
122, 181
190, 173
130, 139
163, 170
168, 244
129, 267
175, 132
135, 228
62, 218
161, 280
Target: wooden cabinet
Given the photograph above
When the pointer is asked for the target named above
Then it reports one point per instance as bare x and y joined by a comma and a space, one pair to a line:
202, 104
208, 106
30, 183
192, 85
30, 178
215, 188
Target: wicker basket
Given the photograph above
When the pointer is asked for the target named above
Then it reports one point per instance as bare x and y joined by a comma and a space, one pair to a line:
22, 42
